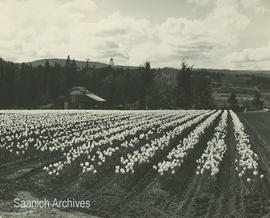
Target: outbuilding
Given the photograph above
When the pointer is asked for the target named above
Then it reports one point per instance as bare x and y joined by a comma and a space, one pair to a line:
80, 97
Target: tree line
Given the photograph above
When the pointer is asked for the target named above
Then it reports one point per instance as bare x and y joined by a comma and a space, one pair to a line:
25, 86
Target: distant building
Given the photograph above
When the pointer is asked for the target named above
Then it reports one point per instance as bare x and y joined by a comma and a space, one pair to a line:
245, 101
80, 97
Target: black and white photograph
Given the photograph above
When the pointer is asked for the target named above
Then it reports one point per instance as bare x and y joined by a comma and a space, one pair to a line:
143, 108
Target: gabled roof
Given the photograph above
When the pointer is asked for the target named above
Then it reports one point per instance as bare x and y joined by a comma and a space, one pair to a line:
95, 97
79, 90
82, 91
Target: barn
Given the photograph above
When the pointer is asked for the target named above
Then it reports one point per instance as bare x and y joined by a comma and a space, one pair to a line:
80, 97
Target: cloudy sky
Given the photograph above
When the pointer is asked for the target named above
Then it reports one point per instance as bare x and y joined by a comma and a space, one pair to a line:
231, 34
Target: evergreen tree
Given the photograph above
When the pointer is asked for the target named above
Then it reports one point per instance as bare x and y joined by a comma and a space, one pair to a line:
203, 93
257, 101
146, 81
233, 102
184, 93
70, 73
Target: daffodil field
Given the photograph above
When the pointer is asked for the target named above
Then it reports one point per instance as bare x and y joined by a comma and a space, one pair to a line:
178, 163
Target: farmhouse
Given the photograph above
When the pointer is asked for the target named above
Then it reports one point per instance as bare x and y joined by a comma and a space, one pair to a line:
80, 97
245, 101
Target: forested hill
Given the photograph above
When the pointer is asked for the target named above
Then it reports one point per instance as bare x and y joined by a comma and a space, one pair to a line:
26, 86
62, 62
240, 72
79, 64
34, 85
95, 64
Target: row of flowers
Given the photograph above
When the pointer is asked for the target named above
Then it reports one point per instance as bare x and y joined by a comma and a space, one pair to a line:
247, 161
216, 147
63, 130
143, 133
146, 152
20, 131
96, 151
176, 156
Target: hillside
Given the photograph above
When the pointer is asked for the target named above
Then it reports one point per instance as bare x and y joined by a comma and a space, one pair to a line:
96, 64
239, 72
80, 64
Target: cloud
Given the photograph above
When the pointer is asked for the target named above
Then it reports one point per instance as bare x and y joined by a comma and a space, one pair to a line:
115, 36
199, 41
34, 29
200, 2
41, 27
256, 5
62, 27
208, 38
256, 58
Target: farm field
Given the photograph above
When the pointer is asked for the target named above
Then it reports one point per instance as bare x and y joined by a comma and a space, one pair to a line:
185, 163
